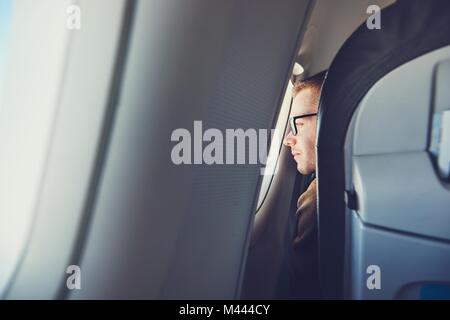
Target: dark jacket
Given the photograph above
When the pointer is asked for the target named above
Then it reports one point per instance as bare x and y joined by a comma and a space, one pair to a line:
304, 264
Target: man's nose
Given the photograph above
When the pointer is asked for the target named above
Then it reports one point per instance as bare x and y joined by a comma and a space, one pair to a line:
289, 140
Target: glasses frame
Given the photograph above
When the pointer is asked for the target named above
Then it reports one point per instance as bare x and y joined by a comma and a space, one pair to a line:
292, 120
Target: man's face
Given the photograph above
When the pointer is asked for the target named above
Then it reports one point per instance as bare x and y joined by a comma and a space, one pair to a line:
303, 143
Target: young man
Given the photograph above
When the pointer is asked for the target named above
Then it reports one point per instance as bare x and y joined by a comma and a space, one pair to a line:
304, 270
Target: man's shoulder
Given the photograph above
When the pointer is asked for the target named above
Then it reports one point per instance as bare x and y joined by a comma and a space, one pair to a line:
309, 197
307, 218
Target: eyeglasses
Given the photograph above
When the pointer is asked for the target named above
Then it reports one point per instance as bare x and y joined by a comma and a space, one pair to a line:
294, 118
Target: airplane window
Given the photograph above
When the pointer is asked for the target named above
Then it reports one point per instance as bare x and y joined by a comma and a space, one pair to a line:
275, 146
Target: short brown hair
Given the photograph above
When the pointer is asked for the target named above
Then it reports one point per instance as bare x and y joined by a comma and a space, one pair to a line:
315, 82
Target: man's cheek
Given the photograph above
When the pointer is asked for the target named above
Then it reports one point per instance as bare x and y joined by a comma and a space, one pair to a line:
300, 159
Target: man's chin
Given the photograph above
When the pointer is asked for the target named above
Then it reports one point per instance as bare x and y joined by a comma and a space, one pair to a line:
300, 169
304, 171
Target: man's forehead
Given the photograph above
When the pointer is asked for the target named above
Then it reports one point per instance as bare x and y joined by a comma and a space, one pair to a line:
304, 102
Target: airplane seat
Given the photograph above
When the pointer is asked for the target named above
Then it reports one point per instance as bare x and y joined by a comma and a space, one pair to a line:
383, 159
